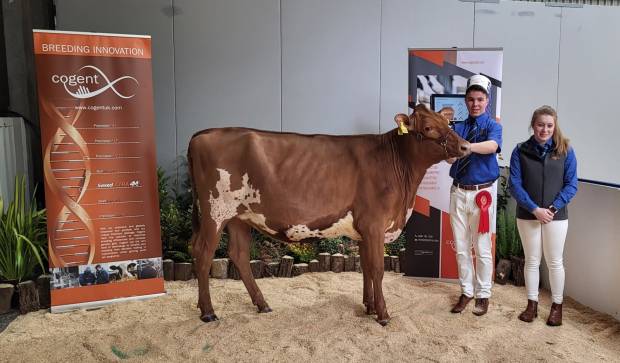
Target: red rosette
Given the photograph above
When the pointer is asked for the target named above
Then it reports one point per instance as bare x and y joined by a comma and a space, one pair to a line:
483, 201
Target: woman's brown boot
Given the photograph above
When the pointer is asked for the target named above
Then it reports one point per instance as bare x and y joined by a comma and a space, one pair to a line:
530, 312
555, 315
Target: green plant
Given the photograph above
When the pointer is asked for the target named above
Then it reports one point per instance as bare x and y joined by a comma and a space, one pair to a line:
162, 187
508, 241
502, 246
302, 252
269, 248
393, 248
512, 233
183, 191
503, 194
222, 247
175, 222
254, 252
256, 245
22, 235
335, 245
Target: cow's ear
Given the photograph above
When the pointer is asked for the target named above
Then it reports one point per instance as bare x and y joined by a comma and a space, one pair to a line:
401, 117
403, 123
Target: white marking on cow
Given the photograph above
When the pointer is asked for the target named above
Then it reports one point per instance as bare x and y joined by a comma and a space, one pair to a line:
301, 231
409, 212
257, 219
225, 205
343, 227
391, 236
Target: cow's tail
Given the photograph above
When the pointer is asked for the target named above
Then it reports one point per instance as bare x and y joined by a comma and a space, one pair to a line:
195, 207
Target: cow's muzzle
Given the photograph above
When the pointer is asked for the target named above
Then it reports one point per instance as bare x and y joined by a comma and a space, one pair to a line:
465, 149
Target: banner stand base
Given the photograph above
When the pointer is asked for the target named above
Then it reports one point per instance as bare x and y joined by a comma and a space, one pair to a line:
99, 304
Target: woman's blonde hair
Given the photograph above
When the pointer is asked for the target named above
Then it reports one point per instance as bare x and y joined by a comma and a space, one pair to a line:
561, 143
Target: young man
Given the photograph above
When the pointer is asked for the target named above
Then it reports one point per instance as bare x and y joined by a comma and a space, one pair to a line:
472, 176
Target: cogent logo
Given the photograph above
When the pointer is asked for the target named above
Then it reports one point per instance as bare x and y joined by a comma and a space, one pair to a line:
79, 86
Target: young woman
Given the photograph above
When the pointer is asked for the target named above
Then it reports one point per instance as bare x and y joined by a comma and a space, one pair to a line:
543, 180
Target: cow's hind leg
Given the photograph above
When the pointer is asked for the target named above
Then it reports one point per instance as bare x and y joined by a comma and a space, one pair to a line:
239, 252
204, 244
368, 298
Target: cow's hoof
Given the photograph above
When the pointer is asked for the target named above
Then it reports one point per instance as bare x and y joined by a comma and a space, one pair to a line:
207, 318
266, 309
383, 322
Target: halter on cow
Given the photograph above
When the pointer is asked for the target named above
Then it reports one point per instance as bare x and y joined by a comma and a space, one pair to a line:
296, 187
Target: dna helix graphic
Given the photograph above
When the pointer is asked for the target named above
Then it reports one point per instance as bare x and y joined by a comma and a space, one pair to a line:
67, 175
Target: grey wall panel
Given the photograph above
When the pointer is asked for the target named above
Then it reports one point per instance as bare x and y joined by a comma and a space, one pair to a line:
227, 65
19, 17
592, 251
530, 36
4, 80
588, 90
416, 24
144, 17
330, 66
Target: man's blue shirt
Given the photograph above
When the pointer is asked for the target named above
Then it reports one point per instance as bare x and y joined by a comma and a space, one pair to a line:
516, 181
482, 168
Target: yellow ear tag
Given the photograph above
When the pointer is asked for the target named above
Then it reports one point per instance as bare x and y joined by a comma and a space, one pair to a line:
402, 129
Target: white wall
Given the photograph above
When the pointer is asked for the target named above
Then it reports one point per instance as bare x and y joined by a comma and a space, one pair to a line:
592, 250
330, 66
589, 73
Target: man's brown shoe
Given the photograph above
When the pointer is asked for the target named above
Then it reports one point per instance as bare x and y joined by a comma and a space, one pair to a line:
481, 307
460, 306
555, 315
530, 312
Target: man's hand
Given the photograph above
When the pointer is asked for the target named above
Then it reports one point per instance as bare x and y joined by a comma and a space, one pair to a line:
451, 160
543, 215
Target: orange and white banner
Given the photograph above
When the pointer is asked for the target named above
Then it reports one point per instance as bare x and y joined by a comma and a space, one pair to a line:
438, 79
98, 139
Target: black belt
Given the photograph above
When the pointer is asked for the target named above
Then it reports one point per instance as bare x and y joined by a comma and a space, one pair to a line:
473, 187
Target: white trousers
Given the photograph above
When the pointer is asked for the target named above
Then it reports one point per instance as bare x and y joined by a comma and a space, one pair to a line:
464, 218
550, 238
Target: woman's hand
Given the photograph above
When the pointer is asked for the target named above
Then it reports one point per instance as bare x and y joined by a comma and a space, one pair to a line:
543, 215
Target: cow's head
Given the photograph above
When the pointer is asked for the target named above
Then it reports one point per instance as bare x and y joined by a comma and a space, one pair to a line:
434, 131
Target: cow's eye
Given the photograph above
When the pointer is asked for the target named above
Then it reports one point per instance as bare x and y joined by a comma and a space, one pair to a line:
427, 129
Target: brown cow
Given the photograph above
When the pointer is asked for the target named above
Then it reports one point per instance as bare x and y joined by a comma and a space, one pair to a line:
305, 187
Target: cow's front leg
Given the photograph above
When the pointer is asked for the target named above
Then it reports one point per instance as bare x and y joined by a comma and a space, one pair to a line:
374, 239
368, 297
